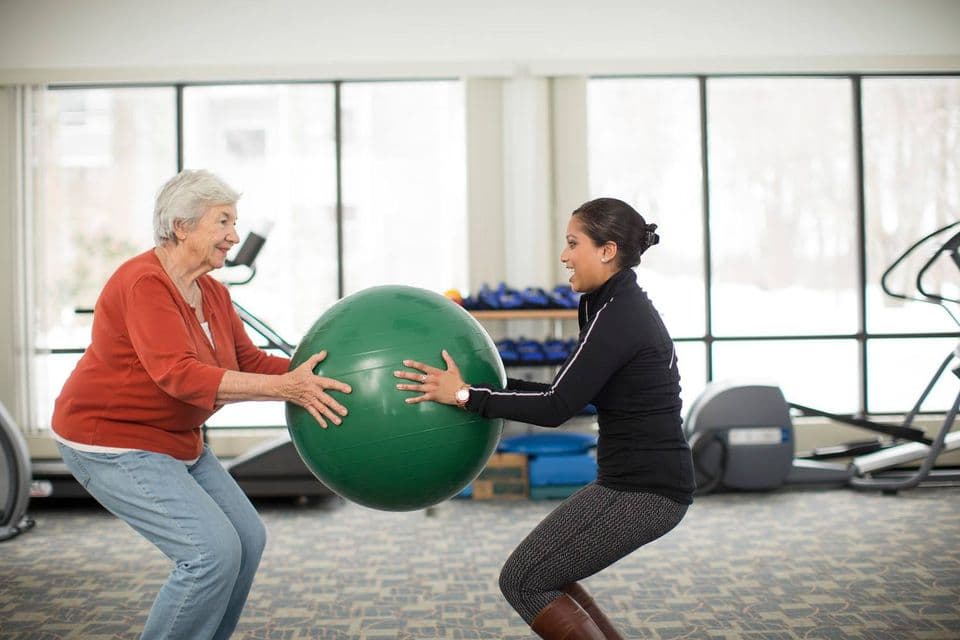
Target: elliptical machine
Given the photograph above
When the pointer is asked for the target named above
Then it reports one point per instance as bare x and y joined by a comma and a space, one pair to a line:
742, 435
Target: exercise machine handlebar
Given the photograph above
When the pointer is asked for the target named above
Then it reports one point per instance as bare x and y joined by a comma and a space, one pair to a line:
925, 296
906, 433
950, 247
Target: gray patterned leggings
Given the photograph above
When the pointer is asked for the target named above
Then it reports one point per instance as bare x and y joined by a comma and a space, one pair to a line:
588, 532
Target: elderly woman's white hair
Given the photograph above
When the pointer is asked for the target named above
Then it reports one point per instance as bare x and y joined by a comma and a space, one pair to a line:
185, 197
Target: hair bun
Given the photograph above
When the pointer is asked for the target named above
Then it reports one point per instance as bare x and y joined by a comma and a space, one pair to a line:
650, 235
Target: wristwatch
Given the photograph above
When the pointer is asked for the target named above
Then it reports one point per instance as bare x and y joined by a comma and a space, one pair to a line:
462, 396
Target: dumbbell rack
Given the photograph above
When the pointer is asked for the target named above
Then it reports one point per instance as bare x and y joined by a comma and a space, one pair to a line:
557, 315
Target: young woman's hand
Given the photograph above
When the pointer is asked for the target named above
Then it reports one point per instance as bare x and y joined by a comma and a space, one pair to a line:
432, 383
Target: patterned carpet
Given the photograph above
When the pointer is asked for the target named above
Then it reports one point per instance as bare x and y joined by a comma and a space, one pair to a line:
787, 565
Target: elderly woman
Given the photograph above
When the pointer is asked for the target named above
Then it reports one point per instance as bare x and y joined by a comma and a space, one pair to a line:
167, 351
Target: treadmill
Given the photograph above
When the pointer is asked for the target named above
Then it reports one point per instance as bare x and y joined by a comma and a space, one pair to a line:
273, 468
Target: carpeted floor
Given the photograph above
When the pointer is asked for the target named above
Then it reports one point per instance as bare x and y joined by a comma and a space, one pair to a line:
785, 565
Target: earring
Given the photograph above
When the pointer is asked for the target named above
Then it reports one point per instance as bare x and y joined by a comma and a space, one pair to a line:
604, 260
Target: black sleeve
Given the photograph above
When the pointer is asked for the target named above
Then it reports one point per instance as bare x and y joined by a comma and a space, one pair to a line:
603, 348
515, 384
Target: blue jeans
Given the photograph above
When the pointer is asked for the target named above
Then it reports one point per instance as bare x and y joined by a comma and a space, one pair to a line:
198, 517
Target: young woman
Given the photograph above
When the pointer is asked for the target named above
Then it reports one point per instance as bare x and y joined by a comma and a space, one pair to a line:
625, 364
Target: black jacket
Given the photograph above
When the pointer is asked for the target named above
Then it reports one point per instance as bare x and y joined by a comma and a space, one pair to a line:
625, 364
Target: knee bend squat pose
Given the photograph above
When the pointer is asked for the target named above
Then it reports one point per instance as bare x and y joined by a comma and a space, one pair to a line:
624, 363
167, 351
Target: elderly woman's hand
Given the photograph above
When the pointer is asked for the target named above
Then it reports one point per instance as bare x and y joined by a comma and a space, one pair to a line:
435, 384
301, 386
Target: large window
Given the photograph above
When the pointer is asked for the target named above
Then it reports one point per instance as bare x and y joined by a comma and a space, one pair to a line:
817, 373
783, 233
780, 202
782, 206
102, 154
911, 140
276, 144
404, 187
645, 149
788, 299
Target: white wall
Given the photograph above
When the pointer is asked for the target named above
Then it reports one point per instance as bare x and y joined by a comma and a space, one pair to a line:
110, 40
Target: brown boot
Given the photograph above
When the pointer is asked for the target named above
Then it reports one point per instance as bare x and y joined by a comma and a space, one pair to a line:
563, 619
578, 593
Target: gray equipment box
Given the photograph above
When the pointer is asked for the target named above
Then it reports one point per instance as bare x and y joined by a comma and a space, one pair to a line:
743, 434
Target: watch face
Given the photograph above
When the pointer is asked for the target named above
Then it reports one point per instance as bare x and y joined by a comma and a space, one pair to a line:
463, 395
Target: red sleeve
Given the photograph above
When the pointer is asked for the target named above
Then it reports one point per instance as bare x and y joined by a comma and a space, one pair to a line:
250, 357
161, 341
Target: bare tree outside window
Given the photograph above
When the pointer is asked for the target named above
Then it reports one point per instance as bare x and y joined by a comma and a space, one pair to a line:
783, 206
911, 131
911, 139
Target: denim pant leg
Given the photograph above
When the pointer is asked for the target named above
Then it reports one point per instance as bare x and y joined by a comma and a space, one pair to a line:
157, 496
220, 485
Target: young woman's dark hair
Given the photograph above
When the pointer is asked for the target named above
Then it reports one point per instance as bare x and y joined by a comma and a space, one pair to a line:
611, 220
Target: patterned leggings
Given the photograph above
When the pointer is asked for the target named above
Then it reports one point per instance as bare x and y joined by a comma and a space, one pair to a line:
588, 532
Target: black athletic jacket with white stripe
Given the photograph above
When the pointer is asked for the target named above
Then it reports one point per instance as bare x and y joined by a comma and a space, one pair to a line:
624, 363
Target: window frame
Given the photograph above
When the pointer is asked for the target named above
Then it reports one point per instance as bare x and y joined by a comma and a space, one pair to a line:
179, 88
862, 335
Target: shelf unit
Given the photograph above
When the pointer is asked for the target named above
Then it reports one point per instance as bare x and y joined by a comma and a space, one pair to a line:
580, 422
526, 314
558, 316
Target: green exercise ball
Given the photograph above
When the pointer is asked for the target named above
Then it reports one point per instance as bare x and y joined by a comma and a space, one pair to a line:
388, 454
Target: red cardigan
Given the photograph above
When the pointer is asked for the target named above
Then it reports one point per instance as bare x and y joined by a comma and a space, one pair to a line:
149, 378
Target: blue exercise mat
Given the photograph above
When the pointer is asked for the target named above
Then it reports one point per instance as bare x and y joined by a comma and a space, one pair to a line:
549, 444
565, 470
